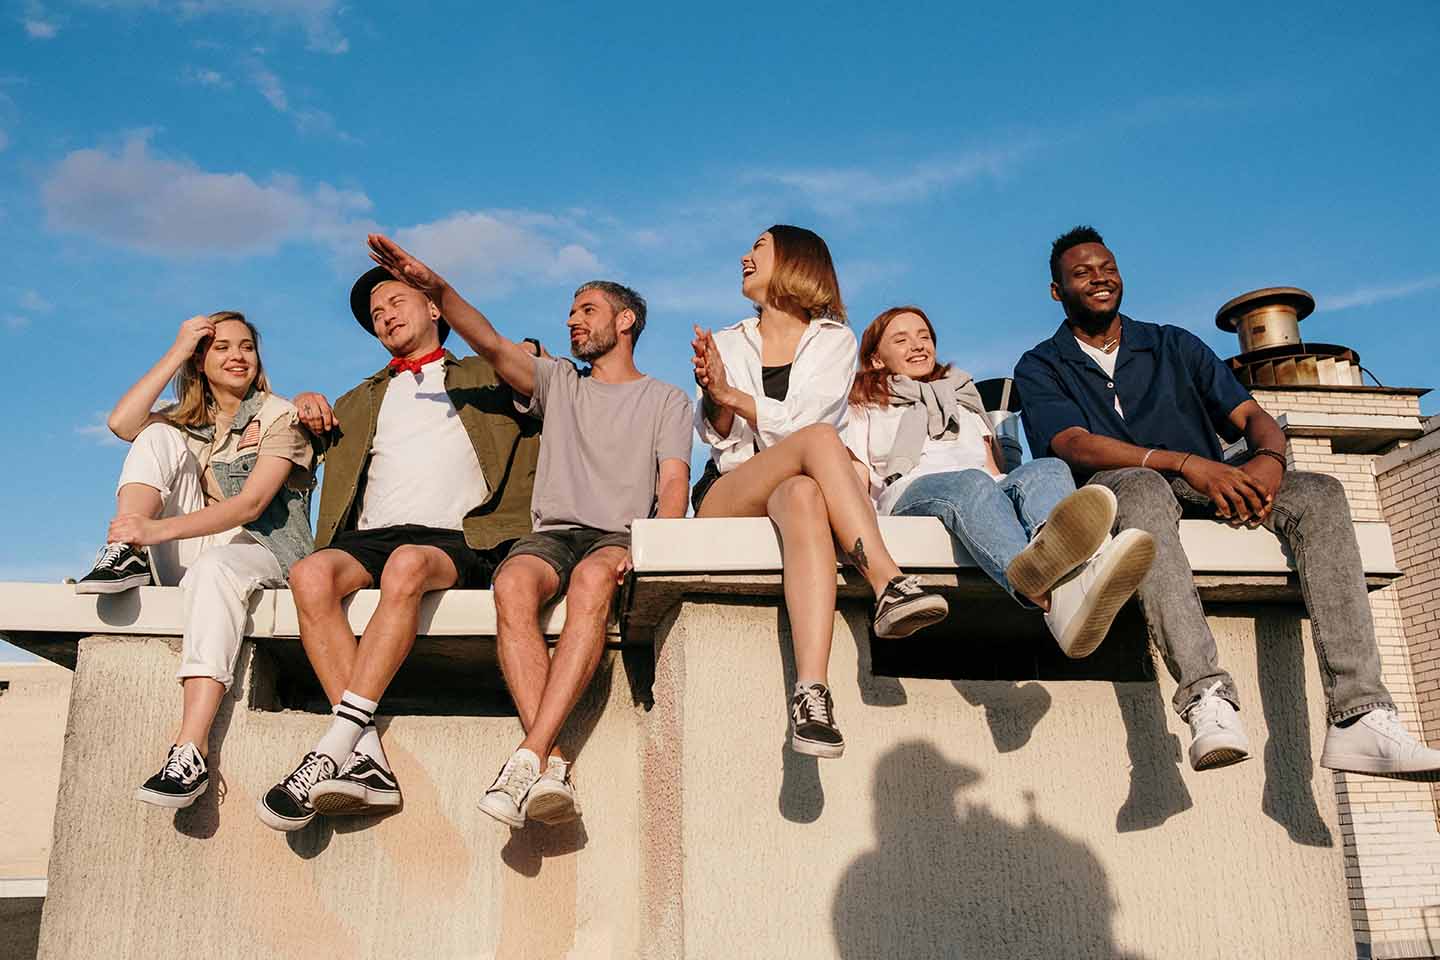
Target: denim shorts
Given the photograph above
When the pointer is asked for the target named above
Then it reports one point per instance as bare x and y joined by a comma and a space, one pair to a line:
564, 549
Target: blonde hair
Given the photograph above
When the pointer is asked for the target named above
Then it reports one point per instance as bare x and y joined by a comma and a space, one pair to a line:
804, 276
194, 404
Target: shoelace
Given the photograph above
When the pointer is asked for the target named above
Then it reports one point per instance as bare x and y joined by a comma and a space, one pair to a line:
509, 781
812, 706
1388, 721
306, 775
107, 555
904, 587
1205, 710
351, 763
181, 765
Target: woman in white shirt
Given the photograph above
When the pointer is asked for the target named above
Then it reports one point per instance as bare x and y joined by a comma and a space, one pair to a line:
926, 449
773, 395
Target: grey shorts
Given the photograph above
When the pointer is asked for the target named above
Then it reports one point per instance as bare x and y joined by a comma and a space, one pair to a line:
564, 549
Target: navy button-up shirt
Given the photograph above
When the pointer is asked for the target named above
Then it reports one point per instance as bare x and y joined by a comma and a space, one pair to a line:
1176, 393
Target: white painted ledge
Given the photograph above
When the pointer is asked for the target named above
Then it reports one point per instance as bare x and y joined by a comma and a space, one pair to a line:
23, 888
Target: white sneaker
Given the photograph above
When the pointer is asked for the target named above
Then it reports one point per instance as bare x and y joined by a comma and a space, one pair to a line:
1076, 529
1216, 737
505, 800
1378, 744
1084, 603
552, 799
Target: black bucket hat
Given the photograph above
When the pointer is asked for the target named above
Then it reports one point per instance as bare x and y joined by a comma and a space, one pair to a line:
360, 300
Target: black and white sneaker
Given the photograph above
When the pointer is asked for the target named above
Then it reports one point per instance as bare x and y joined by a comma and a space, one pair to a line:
361, 786
812, 723
183, 778
903, 607
118, 567
286, 806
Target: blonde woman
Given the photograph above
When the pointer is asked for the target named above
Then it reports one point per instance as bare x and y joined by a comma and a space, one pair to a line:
918, 429
773, 392
215, 497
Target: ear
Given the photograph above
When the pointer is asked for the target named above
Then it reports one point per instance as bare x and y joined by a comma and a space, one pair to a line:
1054, 291
624, 320
434, 309
876, 363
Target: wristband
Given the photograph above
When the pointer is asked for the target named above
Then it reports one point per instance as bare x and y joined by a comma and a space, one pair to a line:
1145, 460
1275, 455
1181, 469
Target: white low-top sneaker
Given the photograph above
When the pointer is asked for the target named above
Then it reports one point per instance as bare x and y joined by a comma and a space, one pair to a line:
1378, 744
1077, 527
552, 798
1085, 602
1216, 737
505, 800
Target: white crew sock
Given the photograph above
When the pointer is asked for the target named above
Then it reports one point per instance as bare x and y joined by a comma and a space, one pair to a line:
352, 715
802, 686
369, 745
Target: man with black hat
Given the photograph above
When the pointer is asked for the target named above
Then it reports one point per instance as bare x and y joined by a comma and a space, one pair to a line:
428, 476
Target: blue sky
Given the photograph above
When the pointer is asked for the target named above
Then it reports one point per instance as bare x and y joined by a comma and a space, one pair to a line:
159, 160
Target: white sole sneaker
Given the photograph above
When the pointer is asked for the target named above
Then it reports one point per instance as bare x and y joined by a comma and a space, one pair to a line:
1213, 758
1122, 566
811, 748
107, 587
167, 800
499, 810
551, 804
911, 615
339, 798
1376, 767
276, 822
1075, 529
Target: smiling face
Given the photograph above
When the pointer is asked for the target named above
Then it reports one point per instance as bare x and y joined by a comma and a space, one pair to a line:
232, 360
906, 347
1090, 286
404, 318
756, 268
594, 325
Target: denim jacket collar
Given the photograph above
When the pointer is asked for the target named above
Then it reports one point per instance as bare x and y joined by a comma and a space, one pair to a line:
249, 407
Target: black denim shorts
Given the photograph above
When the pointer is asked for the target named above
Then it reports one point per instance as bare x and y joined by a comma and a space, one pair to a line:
372, 548
564, 549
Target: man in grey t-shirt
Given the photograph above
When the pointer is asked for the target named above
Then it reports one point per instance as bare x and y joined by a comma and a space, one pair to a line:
615, 446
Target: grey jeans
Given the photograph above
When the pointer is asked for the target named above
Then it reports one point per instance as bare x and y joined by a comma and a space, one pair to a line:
1312, 518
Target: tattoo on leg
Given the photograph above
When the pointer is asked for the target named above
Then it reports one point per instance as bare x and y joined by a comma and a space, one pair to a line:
857, 556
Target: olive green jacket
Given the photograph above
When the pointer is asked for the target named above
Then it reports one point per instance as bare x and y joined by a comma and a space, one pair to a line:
507, 444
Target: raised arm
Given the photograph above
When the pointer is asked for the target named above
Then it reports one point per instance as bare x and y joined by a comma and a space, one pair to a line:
511, 360
134, 411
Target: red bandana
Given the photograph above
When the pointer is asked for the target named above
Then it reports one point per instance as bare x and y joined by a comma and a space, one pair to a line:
400, 363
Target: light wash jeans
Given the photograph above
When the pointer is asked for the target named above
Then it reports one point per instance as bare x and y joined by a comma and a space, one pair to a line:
994, 519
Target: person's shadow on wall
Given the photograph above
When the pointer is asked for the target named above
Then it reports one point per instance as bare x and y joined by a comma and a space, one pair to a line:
1288, 797
970, 885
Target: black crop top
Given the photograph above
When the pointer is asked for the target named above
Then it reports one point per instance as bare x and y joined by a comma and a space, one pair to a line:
776, 381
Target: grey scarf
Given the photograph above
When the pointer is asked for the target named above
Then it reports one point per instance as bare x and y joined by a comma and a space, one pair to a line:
933, 414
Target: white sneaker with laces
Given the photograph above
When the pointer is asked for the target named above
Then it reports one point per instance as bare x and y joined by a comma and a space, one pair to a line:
1084, 603
552, 799
505, 800
1216, 737
1378, 744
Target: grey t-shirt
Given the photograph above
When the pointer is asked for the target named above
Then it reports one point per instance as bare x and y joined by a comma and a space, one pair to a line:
602, 445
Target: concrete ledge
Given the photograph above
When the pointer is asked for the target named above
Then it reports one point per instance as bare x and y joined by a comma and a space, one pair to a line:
1426, 444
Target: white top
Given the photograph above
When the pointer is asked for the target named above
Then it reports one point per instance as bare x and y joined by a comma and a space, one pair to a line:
423, 467
820, 378
1107, 363
870, 435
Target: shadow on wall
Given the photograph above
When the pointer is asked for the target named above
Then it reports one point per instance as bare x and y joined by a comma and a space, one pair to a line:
973, 885
1288, 797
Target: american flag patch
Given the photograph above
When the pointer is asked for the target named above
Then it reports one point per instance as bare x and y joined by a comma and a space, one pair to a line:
251, 436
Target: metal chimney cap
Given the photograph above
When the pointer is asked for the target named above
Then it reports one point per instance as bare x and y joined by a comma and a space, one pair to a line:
1228, 316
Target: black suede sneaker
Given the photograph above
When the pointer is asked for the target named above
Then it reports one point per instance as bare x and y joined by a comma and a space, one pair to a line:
183, 778
903, 607
118, 567
361, 786
286, 806
812, 717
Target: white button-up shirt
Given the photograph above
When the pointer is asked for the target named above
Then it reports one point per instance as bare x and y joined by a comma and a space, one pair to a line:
820, 378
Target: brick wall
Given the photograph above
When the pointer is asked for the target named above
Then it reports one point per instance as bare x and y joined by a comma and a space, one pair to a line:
1337, 401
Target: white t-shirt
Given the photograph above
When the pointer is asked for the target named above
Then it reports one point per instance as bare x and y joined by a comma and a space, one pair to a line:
423, 467
1107, 363
870, 435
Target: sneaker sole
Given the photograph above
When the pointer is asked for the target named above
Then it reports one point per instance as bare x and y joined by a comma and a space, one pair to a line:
276, 822
1219, 757
919, 613
113, 586
341, 799
514, 822
1370, 767
169, 800
1135, 552
551, 807
1075, 529
825, 751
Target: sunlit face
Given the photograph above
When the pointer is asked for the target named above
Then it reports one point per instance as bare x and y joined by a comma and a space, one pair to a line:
1090, 286
906, 347
404, 318
756, 268
231, 360
593, 326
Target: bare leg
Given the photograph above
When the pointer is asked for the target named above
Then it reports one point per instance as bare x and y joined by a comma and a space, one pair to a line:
522, 586
798, 509
201, 699
411, 572
139, 498
577, 653
818, 453
319, 583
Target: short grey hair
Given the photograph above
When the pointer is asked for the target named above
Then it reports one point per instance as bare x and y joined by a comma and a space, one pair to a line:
621, 298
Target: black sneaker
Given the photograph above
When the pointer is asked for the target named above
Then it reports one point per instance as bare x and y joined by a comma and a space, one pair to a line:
183, 778
903, 607
812, 716
286, 806
118, 567
361, 786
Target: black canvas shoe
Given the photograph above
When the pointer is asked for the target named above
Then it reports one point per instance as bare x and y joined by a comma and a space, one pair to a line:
903, 607
812, 717
118, 567
286, 806
183, 778
361, 786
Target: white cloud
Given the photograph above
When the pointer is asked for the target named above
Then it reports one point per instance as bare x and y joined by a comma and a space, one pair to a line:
41, 29
137, 198
98, 431
488, 250
34, 303
207, 77
306, 119
1369, 296
15, 322
315, 17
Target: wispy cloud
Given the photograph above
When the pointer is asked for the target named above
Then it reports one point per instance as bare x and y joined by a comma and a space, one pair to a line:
138, 198
97, 430
490, 250
207, 77
316, 17
15, 322
39, 24
1369, 296
307, 119
32, 302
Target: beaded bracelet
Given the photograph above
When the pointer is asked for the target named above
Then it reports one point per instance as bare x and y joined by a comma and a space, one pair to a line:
1275, 455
